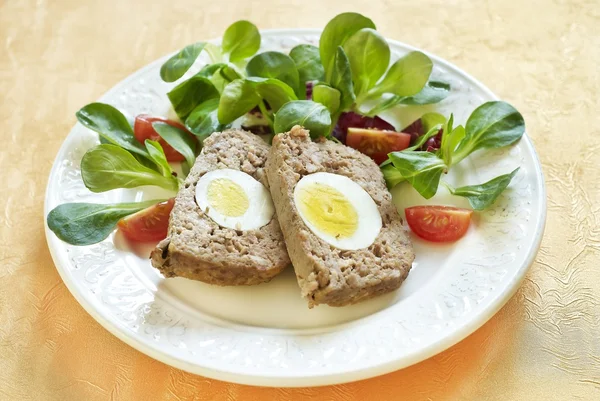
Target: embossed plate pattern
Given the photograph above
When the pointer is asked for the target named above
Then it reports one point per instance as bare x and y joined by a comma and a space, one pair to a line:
451, 291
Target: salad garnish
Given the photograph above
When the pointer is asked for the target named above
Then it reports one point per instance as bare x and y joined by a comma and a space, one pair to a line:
337, 90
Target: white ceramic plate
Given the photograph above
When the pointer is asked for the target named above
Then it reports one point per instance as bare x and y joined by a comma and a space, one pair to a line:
266, 335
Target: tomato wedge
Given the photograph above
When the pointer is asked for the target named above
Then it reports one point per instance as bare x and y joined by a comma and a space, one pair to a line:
143, 129
438, 223
377, 143
150, 224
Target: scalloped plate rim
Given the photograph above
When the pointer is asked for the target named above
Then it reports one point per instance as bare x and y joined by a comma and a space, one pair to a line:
290, 380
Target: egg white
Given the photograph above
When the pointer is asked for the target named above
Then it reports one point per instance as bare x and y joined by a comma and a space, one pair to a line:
369, 219
260, 209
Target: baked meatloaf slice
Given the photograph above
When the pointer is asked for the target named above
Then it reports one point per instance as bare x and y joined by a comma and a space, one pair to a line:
326, 274
198, 248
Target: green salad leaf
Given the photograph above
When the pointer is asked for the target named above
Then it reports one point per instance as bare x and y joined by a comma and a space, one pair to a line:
219, 81
391, 175
212, 72
422, 169
492, 125
406, 77
106, 167
341, 79
450, 140
157, 154
308, 63
242, 95
238, 98
431, 119
225, 74
179, 140
433, 131
274, 91
327, 96
90, 223
278, 66
204, 119
311, 115
111, 125
176, 66
335, 34
241, 40
433, 92
208, 70
454, 139
229, 72
484, 195
444, 152
369, 55
186, 96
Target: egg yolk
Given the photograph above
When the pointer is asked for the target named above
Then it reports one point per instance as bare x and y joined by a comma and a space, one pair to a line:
227, 197
328, 210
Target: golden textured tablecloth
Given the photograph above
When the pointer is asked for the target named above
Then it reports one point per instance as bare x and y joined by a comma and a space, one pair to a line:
542, 56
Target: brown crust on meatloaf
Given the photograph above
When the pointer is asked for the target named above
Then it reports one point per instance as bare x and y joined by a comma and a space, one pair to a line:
328, 275
198, 248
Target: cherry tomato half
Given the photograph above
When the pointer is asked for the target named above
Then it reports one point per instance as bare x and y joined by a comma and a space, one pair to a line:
377, 143
438, 223
150, 224
143, 129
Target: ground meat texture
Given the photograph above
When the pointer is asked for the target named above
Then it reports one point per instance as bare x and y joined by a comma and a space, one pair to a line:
198, 248
327, 275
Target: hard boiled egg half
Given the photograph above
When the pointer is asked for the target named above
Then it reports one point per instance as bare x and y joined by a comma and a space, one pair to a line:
234, 199
337, 210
